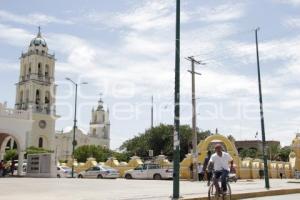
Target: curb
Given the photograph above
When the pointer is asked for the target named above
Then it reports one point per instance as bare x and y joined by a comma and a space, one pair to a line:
256, 194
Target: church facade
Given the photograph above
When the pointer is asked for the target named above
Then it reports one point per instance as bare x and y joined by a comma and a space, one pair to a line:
99, 134
32, 121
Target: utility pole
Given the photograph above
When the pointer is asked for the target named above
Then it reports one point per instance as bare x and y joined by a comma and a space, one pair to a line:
152, 111
194, 113
266, 173
176, 145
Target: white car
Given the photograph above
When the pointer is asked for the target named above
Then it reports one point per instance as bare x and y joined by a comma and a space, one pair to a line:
99, 172
64, 172
149, 171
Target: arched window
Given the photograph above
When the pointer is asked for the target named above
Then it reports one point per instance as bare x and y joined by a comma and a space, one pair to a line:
40, 69
47, 71
94, 132
27, 96
24, 70
15, 146
41, 142
95, 118
21, 100
29, 71
37, 97
21, 97
47, 97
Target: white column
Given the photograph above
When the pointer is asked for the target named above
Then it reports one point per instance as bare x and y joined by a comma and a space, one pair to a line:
2, 155
20, 162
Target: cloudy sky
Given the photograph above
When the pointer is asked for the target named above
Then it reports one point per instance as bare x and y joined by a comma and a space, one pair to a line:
125, 50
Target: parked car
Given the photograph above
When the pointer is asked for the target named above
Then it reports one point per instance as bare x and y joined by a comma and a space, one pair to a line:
64, 172
149, 171
99, 172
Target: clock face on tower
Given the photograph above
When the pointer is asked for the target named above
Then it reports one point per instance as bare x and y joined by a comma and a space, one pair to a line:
42, 124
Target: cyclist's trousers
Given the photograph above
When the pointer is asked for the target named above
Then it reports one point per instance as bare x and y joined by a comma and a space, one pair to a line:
223, 174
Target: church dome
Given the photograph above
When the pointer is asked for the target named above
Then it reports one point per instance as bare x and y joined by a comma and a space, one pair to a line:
38, 40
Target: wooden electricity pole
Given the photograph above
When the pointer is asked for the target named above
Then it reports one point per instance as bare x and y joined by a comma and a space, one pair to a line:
194, 114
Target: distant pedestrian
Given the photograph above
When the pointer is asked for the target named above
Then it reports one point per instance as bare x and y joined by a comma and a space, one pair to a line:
12, 167
191, 170
200, 172
261, 173
1, 168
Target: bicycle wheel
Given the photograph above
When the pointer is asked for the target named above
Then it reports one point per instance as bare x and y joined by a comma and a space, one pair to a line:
227, 194
213, 193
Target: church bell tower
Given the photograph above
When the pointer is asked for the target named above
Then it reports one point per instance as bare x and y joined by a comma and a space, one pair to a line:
100, 125
36, 90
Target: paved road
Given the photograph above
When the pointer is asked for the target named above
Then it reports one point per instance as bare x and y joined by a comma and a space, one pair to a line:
283, 197
120, 189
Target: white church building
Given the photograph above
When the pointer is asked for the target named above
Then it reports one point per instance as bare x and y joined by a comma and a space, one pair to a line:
99, 134
32, 121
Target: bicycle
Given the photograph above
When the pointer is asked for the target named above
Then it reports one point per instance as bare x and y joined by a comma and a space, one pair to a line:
213, 193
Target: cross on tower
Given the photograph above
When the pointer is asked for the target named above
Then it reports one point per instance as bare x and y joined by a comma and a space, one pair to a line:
39, 31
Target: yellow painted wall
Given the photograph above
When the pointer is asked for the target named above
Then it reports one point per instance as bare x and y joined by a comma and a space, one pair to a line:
245, 168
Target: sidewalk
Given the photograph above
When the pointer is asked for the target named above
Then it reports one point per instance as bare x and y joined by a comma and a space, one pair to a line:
255, 188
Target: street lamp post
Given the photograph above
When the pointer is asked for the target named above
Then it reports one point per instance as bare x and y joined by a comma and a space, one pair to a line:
262, 121
176, 142
74, 143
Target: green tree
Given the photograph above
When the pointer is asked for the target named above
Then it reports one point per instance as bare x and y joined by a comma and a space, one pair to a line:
99, 153
273, 151
284, 153
251, 153
160, 140
122, 156
10, 154
231, 138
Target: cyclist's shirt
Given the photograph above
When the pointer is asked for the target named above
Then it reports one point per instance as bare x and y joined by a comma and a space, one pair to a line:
221, 162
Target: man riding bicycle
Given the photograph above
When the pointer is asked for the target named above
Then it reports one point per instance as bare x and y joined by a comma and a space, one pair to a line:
219, 161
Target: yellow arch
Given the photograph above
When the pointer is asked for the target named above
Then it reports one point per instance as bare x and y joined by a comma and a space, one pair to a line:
231, 149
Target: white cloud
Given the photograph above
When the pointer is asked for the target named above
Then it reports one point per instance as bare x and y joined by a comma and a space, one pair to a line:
14, 36
206, 40
6, 65
153, 14
292, 2
224, 12
148, 15
293, 22
226, 84
290, 104
31, 19
160, 14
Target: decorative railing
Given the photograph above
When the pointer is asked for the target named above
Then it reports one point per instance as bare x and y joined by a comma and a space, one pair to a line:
37, 77
40, 108
38, 53
13, 113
